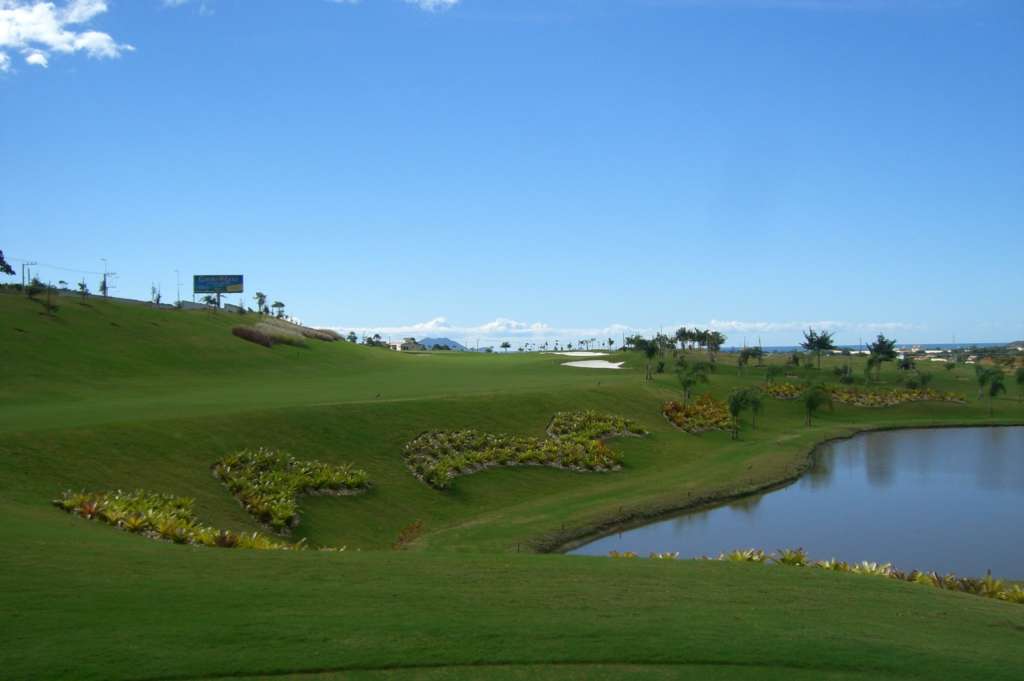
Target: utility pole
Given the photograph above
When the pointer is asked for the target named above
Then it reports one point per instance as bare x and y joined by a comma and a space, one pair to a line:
177, 280
25, 265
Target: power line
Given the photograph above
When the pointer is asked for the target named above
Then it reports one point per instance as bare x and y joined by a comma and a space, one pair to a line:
53, 267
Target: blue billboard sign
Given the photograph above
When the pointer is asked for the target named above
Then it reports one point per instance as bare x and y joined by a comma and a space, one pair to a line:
217, 283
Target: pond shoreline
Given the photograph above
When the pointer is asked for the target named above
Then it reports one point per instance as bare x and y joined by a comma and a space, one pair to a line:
562, 541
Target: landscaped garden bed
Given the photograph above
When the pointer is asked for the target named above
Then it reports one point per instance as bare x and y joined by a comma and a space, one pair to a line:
575, 442
701, 415
268, 483
986, 586
859, 397
160, 516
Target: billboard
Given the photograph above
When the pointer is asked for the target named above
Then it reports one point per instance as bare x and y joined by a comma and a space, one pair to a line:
217, 283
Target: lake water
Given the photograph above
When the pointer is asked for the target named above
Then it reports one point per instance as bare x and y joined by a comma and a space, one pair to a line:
949, 499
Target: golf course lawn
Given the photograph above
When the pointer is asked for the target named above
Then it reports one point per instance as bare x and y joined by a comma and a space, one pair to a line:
104, 396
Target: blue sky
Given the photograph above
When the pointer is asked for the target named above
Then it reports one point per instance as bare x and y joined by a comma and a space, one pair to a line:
531, 168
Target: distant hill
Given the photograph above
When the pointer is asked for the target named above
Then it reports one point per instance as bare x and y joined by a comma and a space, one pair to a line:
429, 343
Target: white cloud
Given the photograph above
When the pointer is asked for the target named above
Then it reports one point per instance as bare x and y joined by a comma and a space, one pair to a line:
5, 63
37, 58
433, 5
37, 29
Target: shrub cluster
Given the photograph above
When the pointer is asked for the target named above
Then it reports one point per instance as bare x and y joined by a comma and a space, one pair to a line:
253, 336
866, 398
160, 516
268, 482
591, 424
891, 398
986, 586
703, 414
575, 442
783, 391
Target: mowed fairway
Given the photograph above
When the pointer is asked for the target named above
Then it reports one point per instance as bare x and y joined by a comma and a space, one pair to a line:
106, 395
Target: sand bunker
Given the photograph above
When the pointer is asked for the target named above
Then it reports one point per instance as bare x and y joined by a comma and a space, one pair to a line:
594, 364
581, 354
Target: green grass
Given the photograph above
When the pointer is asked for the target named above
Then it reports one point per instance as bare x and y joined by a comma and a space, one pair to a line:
109, 395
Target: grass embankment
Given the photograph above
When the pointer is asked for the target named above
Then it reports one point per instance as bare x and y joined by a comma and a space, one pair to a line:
107, 396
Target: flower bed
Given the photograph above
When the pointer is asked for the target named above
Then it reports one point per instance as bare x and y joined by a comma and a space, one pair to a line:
268, 483
575, 442
783, 391
987, 586
867, 398
703, 414
591, 424
160, 516
891, 398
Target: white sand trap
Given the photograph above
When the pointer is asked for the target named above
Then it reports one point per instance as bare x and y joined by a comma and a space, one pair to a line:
581, 354
594, 364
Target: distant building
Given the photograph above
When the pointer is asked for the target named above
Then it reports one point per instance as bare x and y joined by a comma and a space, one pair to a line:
407, 345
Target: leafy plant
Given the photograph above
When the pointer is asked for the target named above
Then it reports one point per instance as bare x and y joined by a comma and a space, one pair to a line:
268, 482
575, 441
703, 414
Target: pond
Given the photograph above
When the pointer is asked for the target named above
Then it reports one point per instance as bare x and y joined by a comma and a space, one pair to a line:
949, 500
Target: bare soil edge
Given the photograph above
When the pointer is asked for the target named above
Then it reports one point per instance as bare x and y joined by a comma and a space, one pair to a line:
569, 538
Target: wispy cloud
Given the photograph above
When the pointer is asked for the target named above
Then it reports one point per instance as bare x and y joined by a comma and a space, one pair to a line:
38, 29
433, 5
817, 5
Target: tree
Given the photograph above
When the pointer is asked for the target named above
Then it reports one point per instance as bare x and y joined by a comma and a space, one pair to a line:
814, 398
5, 267
884, 349
261, 302
715, 341
154, 294
818, 342
740, 400
984, 376
83, 289
1019, 376
210, 300
737, 403
505, 345
352, 338
611, 342
279, 308
648, 347
996, 385
103, 286
689, 378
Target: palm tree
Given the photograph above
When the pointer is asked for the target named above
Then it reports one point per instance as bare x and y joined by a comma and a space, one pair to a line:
737, 403
818, 342
689, 378
755, 402
996, 385
884, 349
261, 301
650, 350
610, 344
814, 398
983, 376
1020, 384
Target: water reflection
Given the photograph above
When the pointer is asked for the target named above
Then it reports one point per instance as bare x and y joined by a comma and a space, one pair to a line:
945, 499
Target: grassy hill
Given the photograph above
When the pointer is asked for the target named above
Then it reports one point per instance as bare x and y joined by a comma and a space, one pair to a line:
104, 395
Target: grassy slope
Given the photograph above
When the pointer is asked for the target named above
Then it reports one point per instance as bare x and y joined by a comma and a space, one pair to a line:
110, 395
